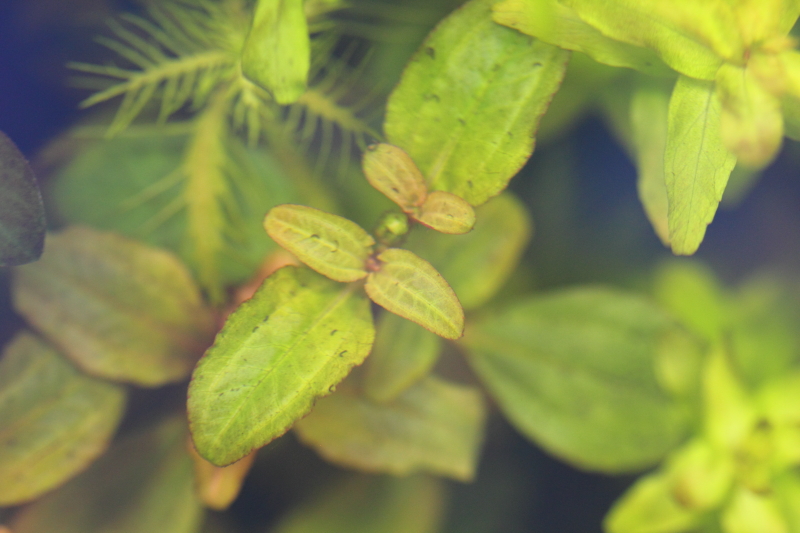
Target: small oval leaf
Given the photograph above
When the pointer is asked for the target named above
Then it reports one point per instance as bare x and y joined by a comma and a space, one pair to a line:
54, 420
390, 170
22, 223
332, 245
409, 286
447, 213
292, 342
118, 308
433, 426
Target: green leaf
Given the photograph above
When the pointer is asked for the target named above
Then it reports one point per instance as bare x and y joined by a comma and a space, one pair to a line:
146, 200
730, 413
55, 421
22, 223
391, 171
787, 490
432, 426
650, 507
751, 118
277, 51
791, 116
118, 308
292, 342
763, 335
575, 372
403, 353
696, 163
332, 245
557, 24
691, 37
446, 213
759, 21
477, 264
750, 511
144, 483
690, 291
779, 403
410, 287
648, 116
469, 102
362, 504
701, 475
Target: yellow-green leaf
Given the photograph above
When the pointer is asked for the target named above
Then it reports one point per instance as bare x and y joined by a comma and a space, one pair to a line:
791, 116
390, 170
118, 308
696, 162
404, 352
218, 486
648, 115
649, 506
691, 37
433, 426
750, 511
332, 245
761, 20
54, 421
277, 51
22, 224
469, 102
446, 213
292, 342
730, 413
689, 291
409, 286
700, 474
555, 23
492, 250
144, 483
751, 119
371, 504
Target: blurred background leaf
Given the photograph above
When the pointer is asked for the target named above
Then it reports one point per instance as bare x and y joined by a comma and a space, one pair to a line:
22, 223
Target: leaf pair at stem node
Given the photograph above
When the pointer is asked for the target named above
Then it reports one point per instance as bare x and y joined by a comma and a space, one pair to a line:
396, 279
390, 170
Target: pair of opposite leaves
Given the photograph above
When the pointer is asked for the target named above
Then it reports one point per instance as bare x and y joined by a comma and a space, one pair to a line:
397, 279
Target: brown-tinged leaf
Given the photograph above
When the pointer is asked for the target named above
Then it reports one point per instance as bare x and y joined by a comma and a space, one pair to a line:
409, 286
54, 420
390, 170
447, 213
332, 245
218, 486
118, 308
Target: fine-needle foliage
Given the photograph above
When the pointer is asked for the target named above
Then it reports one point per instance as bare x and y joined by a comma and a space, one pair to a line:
187, 56
373, 315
